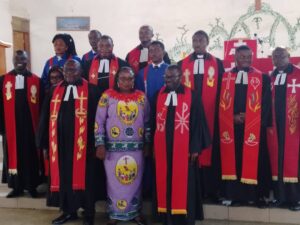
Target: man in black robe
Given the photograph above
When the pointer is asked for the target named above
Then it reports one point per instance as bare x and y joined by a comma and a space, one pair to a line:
198, 139
236, 190
209, 169
105, 58
138, 58
67, 198
286, 190
25, 176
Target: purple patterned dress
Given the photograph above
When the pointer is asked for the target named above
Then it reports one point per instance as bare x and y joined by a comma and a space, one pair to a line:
122, 126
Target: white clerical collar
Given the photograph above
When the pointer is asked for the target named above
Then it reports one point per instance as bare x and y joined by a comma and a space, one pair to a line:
144, 55
172, 95
94, 52
157, 65
242, 77
68, 92
199, 66
59, 58
104, 66
19, 83
280, 78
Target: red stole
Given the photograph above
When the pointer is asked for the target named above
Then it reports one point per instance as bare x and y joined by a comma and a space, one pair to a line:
134, 59
80, 137
292, 134
180, 153
113, 68
33, 98
252, 127
209, 94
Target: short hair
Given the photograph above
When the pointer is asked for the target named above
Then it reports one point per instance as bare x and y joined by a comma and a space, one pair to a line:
69, 41
175, 67
203, 33
106, 37
122, 69
20, 52
242, 48
95, 31
57, 69
161, 45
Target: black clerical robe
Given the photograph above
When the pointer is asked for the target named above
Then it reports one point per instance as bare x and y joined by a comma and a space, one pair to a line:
235, 189
283, 191
198, 140
66, 198
28, 161
210, 175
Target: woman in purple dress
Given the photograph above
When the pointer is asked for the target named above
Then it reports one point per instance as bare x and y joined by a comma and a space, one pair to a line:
121, 134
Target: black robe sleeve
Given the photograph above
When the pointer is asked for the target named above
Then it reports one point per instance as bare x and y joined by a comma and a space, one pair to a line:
199, 133
266, 119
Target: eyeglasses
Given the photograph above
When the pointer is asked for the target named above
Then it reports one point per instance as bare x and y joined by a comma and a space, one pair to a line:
128, 79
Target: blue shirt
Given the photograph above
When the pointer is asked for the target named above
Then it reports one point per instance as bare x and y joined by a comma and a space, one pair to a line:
57, 62
155, 81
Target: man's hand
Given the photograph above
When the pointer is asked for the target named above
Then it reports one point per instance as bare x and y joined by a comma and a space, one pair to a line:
100, 152
194, 156
239, 118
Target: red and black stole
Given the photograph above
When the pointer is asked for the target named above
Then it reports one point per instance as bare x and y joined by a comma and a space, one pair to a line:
113, 68
252, 127
32, 83
134, 59
292, 133
209, 94
180, 152
80, 137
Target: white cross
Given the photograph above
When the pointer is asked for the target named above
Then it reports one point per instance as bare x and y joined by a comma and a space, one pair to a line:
294, 85
228, 79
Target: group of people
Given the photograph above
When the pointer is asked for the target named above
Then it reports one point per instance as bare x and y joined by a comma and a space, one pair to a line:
101, 127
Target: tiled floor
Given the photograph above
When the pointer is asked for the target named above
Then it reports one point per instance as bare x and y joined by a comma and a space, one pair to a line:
44, 217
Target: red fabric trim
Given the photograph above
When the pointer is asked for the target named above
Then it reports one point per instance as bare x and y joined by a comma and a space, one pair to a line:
134, 96
252, 127
134, 59
33, 98
113, 68
80, 137
291, 146
209, 95
180, 152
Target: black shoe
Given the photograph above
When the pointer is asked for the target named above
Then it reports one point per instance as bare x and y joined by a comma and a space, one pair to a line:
294, 206
236, 203
88, 221
65, 217
33, 193
275, 204
14, 193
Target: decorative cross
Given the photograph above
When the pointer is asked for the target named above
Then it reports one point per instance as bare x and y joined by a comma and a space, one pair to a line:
55, 101
294, 86
228, 79
81, 111
186, 75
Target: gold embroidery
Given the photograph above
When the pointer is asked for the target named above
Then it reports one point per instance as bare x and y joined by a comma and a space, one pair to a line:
293, 113
33, 91
8, 87
187, 81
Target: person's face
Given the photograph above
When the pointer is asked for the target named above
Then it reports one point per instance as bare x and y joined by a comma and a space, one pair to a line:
20, 62
72, 72
172, 79
125, 81
145, 34
55, 78
281, 58
94, 37
156, 53
60, 47
199, 43
105, 48
243, 58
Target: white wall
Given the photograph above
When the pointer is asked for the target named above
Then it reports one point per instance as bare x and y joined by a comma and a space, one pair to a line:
122, 18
